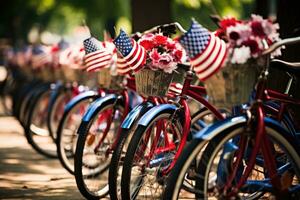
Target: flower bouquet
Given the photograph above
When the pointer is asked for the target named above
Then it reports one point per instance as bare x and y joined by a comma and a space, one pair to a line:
231, 82
153, 58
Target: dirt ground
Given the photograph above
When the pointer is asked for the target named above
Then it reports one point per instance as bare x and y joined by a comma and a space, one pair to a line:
24, 174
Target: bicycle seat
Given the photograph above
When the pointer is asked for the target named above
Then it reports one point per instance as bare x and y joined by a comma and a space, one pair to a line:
291, 67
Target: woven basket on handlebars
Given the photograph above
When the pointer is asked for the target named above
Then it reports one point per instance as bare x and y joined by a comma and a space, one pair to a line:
152, 83
71, 74
233, 84
106, 80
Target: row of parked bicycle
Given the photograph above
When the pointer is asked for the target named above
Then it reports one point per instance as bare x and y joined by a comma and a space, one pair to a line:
128, 130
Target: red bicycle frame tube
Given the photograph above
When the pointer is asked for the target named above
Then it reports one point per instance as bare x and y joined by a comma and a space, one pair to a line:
262, 142
185, 130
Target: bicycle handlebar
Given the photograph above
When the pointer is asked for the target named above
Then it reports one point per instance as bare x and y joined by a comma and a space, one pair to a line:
280, 43
166, 28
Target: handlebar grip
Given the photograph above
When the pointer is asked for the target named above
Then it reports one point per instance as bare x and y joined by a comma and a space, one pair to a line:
287, 41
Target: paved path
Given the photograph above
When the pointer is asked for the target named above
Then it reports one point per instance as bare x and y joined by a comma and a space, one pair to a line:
24, 174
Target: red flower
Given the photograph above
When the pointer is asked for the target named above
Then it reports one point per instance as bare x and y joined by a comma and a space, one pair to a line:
147, 44
160, 40
228, 22
178, 55
171, 45
154, 55
253, 45
257, 29
234, 35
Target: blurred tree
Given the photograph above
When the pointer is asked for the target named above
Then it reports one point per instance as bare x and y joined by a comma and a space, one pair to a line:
17, 17
149, 13
184, 10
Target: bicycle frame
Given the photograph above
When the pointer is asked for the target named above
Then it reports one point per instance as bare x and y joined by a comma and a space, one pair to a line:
195, 92
262, 142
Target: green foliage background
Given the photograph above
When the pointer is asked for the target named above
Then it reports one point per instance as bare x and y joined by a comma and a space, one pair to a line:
18, 17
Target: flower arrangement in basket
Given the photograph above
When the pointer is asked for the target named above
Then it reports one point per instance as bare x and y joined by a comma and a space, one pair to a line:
229, 60
153, 58
248, 39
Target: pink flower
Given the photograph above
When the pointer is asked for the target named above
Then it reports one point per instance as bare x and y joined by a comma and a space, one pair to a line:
162, 61
253, 45
163, 53
257, 29
239, 33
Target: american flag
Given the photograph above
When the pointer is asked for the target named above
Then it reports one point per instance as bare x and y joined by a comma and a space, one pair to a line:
122, 66
133, 53
96, 56
40, 56
206, 51
174, 89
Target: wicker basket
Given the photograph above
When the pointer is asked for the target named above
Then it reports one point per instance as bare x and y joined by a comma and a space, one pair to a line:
59, 74
47, 74
233, 84
152, 83
106, 80
71, 74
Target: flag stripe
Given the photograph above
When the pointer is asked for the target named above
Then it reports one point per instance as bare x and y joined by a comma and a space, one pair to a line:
136, 57
205, 64
210, 48
88, 56
98, 59
99, 55
216, 65
98, 66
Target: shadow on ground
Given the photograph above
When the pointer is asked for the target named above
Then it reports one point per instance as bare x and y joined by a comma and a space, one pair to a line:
24, 174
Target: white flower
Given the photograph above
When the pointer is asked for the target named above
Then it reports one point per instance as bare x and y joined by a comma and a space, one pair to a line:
240, 55
257, 18
243, 31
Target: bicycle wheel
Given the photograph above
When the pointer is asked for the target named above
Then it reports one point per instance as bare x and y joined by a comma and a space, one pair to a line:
92, 157
184, 170
67, 134
36, 130
55, 112
116, 165
217, 161
149, 153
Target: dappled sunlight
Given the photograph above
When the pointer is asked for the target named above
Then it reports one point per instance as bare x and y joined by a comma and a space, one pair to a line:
25, 174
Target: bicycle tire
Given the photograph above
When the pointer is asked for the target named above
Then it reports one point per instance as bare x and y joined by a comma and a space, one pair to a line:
53, 112
44, 144
215, 144
126, 182
78, 159
61, 150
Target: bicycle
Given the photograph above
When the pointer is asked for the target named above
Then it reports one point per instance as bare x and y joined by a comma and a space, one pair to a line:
160, 136
237, 149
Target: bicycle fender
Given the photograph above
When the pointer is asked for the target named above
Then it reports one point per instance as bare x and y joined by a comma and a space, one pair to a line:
217, 128
151, 114
135, 113
80, 97
56, 89
98, 104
